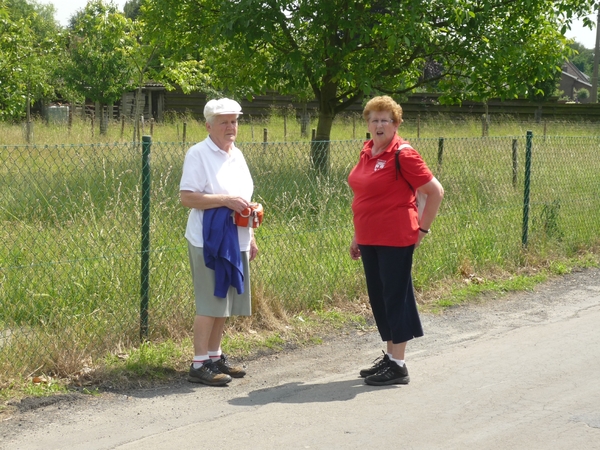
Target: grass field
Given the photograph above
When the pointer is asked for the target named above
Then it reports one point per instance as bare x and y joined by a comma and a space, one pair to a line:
287, 129
70, 236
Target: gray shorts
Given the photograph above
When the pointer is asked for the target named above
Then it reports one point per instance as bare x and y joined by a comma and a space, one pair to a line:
204, 286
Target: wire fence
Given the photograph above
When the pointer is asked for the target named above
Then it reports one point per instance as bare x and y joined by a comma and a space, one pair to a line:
93, 258
282, 127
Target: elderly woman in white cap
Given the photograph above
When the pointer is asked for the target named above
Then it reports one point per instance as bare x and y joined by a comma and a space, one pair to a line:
215, 182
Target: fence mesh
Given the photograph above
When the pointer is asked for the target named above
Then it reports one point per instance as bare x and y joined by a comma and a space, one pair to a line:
71, 278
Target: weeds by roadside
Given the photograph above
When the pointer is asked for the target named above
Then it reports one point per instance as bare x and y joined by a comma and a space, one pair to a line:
159, 363
69, 280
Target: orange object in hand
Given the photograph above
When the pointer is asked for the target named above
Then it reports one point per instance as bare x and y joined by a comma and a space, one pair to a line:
251, 217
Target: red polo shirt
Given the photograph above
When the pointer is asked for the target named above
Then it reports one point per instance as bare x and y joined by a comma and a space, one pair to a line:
384, 207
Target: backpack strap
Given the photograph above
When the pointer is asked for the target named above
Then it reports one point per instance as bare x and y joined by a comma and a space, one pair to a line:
398, 168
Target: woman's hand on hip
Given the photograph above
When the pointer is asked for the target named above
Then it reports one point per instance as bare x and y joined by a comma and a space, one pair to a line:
354, 250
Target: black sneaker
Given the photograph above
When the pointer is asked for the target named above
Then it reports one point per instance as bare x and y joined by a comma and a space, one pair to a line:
392, 374
225, 367
378, 364
208, 374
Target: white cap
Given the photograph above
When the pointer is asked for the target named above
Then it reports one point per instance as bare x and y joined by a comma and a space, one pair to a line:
221, 106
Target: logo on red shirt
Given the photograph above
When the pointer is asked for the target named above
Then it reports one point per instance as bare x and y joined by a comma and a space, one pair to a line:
380, 165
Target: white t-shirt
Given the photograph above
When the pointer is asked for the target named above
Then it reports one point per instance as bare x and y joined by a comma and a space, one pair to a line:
210, 170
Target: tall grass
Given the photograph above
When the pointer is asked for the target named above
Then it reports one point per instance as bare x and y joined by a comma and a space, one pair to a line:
70, 233
283, 126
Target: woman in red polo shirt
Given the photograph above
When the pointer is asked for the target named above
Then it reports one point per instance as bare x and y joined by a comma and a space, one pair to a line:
387, 229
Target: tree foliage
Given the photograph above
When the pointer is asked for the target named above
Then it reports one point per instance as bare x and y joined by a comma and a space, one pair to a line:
342, 50
100, 46
180, 58
544, 89
583, 58
131, 9
29, 48
338, 51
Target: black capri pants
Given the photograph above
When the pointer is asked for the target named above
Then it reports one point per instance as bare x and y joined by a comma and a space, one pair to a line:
390, 289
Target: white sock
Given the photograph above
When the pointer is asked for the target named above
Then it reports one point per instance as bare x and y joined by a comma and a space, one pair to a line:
215, 356
400, 362
199, 360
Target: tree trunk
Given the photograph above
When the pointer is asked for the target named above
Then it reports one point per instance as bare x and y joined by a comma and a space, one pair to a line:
304, 121
136, 114
97, 115
70, 119
320, 146
538, 113
103, 119
29, 130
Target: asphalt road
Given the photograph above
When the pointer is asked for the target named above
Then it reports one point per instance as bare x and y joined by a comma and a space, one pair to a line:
515, 372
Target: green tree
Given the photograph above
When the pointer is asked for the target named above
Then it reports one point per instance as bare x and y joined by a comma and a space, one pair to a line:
29, 45
181, 59
544, 89
583, 58
43, 24
131, 9
13, 38
343, 50
153, 60
100, 46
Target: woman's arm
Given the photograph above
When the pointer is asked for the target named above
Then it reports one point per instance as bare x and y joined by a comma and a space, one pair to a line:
354, 249
200, 200
435, 193
253, 246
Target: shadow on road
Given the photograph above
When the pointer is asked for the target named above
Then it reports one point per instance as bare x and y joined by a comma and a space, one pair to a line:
337, 391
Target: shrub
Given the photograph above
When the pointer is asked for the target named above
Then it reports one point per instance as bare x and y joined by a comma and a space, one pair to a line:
583, 94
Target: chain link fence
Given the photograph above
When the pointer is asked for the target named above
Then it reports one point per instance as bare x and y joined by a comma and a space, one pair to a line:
93, 258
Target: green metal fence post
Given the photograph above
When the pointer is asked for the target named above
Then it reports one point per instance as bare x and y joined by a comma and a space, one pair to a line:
526, 191
145, 254
515, 164
440, 152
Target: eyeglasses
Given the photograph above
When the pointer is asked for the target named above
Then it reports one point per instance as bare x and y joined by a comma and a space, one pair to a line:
382, 122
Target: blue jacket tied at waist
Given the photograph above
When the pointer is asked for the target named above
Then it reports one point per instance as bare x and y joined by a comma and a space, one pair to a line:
222, 250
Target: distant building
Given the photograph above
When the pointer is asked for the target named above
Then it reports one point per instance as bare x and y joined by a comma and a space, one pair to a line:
572, 80
152, 103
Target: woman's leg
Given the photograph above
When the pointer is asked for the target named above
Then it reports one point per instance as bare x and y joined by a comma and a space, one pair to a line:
216, 335
396, 350
203, 329
401, 312
371, 265
208, 333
